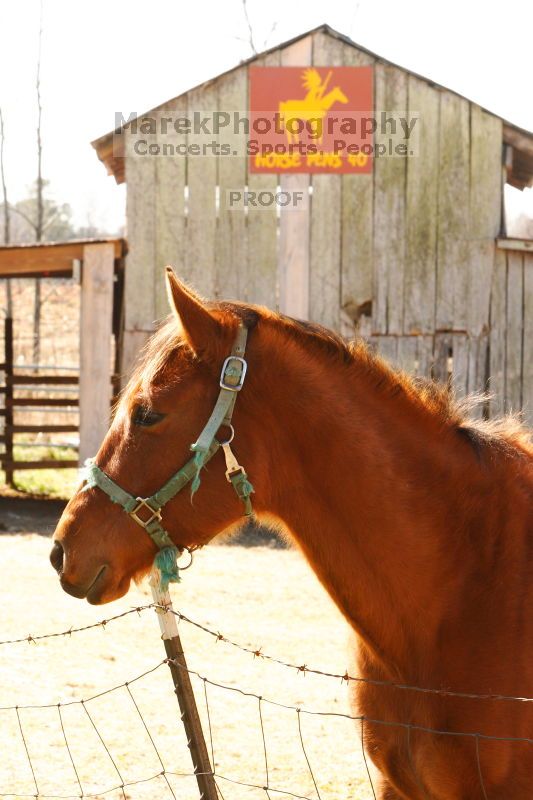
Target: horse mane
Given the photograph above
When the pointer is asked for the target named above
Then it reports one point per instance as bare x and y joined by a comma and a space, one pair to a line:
505, 432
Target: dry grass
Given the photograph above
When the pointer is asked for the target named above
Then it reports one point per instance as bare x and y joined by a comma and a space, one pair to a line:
259, 597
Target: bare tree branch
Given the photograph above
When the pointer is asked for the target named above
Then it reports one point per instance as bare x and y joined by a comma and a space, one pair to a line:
7, 235
50, 221
355, 13
271, 31
24, 216
249, 24
251, 40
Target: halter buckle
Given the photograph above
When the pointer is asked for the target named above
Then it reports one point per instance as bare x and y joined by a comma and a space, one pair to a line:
154, 513
230, 473
226, 380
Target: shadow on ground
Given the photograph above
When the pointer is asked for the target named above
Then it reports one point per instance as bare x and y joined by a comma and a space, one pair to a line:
27, 514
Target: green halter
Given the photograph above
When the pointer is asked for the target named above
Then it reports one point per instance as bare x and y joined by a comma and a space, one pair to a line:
231, 382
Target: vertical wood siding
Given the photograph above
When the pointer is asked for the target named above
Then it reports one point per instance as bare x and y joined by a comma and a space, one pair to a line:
356, 236
389, 224
405, 256
294, 254
262, 286
326, 218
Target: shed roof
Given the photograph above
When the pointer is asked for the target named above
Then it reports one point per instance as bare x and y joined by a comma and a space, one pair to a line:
50, 259
519, 165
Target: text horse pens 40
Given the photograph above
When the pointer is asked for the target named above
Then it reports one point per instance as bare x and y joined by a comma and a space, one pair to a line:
416, 520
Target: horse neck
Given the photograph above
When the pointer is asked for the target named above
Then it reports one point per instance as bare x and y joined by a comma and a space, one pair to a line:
329, 99
368, 484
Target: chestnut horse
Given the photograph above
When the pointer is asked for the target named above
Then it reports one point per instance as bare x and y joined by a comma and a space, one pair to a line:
416, 520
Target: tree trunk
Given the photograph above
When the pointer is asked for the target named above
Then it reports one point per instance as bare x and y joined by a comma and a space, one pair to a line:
39, 222
7, 221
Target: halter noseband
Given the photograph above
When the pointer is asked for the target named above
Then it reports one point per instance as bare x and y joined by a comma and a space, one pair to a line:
231, 382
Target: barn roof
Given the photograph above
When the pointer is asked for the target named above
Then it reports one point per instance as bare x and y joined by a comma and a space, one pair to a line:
519, 164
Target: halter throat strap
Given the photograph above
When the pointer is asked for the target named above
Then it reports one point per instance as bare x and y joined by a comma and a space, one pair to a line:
146, 511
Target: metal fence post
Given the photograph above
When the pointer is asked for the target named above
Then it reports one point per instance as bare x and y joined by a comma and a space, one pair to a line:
184, 693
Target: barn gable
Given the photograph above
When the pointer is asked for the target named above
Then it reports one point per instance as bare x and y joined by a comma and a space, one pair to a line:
406, 255
519, 163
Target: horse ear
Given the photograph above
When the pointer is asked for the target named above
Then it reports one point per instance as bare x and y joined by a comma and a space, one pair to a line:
201, 328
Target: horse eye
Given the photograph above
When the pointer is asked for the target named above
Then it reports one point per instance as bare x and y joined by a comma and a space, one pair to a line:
146, 417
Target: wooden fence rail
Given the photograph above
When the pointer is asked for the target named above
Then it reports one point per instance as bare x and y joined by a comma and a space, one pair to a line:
12, 382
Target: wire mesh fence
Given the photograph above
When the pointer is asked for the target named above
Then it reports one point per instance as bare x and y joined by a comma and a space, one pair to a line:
57, 333
108, 767
73, 748
45, 671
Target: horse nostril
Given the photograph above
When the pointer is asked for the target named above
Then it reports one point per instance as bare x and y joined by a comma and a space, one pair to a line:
56, 557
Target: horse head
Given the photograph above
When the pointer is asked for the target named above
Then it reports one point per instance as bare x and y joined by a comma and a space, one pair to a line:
98, 549
335, 96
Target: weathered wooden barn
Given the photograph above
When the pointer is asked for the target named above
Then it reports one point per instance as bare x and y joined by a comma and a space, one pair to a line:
412, 256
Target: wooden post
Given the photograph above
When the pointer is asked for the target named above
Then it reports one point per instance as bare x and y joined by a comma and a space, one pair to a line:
294, 225
184, 693
132, 344
96, 329
8, 372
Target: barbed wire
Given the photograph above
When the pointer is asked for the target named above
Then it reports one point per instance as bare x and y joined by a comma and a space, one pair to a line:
303, 668
29, 639
258, 653
357, 718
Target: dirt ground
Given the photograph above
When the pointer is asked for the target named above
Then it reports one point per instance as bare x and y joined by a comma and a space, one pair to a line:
261, 597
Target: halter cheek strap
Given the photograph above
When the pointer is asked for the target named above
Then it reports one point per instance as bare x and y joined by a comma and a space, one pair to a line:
146, 511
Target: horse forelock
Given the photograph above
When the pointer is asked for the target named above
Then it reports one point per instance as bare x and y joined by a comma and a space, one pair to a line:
153, 361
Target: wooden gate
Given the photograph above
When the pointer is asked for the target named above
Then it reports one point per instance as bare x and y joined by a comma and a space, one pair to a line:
14, 380
98, 327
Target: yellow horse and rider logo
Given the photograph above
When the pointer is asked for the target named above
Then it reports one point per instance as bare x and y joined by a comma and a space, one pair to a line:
307, 119
313, 107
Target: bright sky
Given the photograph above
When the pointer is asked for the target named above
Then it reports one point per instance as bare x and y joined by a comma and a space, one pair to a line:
104, 56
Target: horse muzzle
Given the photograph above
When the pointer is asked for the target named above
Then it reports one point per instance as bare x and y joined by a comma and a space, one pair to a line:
92, 589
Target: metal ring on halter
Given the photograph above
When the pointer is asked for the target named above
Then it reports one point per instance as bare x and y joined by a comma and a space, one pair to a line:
232, 433
190, 556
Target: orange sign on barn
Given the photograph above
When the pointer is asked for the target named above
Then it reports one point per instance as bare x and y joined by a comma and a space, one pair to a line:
311, 119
